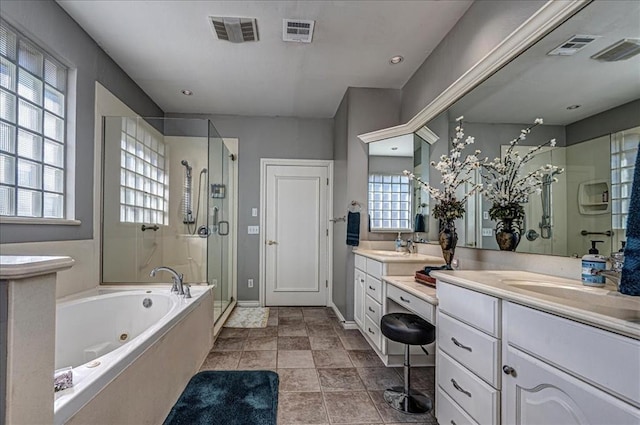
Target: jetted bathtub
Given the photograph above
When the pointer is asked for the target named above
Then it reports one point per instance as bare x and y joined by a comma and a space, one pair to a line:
99, 336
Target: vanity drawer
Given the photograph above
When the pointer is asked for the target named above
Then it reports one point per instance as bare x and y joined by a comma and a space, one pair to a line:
475, 396
476, 350
372, 330
449, 412
361, 263
374, 288
372, 309
374, 268
478, 310
411, 302
577, 348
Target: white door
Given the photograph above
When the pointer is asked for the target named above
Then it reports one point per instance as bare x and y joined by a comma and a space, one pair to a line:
539, 394
296, 234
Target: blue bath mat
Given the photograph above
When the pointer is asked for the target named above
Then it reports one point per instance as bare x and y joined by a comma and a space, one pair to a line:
227, 398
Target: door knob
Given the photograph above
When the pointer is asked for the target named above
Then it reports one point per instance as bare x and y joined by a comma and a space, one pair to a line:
270, 242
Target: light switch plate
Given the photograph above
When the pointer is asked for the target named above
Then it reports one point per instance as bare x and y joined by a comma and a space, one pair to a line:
487, 231
254, 212
253, 230
485, 215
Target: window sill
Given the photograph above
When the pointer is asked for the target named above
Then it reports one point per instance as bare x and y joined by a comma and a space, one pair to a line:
48, 221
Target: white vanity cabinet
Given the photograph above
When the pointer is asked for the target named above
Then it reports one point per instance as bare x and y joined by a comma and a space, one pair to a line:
368, 298
468, 358
560, 371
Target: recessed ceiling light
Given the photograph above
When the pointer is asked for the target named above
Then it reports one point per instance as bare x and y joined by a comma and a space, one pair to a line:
394, 148
186, 92
396, 60
573, 107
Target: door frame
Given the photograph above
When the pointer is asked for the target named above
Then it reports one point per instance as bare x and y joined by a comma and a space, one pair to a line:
328, 164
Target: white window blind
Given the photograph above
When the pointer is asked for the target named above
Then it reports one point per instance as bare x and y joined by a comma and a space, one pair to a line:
389, 202
32, 129
143, 179
624, 149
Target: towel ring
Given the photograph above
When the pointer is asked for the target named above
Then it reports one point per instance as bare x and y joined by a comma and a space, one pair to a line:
355, 206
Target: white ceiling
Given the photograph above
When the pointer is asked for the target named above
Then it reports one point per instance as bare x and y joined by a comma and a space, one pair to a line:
167, 46
536, 85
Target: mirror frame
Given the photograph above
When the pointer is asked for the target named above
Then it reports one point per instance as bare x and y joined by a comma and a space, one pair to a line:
546, 19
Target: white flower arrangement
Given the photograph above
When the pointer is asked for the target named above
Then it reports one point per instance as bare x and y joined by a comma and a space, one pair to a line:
506, 186
455, 172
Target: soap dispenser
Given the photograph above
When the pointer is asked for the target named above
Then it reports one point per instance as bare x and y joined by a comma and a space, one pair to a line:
591, 263
399, 242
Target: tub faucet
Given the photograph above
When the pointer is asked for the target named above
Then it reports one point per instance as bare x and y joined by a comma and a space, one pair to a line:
177, 279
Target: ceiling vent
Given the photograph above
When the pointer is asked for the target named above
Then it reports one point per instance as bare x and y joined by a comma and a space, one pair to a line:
236, 30
573, 45
623, 49
297, 30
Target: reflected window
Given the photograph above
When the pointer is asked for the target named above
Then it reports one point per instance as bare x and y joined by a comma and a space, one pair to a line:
143, 176
33, 92
389, 202
624, 149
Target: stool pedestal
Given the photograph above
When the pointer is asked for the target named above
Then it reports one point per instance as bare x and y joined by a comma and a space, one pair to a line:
404, 398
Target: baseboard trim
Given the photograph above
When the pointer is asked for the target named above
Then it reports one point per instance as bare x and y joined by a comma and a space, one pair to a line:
346, 324
248, 304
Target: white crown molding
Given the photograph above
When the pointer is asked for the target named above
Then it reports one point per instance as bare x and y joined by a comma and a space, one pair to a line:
547, 18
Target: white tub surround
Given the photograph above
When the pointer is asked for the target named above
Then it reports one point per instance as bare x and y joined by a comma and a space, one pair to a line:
31, 289
119, 331
520, 347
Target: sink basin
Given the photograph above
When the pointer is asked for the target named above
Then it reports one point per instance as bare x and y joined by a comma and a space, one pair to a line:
388, 253
597, 297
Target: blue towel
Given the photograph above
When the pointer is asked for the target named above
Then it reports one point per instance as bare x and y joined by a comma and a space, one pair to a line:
630, 281
353, 228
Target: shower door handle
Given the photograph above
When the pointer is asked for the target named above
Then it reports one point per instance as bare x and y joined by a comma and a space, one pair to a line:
223, 224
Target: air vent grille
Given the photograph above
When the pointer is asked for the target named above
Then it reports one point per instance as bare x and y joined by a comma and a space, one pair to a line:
623, 49
297, 30
573, 45
236, 30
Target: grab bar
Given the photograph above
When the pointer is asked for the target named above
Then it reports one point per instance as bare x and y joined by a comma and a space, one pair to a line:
155, 227
607, 233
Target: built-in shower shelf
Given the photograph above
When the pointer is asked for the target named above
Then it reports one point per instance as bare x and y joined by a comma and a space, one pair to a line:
593, 197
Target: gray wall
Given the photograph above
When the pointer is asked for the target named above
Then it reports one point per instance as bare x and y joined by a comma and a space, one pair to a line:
49, 25
265, 137
340, 170
616, 119
485, 24
362, 110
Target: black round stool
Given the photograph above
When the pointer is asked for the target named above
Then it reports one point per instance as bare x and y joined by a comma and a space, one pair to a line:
407, 329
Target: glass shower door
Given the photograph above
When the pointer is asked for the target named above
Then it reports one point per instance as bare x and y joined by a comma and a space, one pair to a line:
219, 270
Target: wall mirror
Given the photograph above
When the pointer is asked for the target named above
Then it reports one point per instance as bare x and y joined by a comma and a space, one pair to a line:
583, 79
395, 203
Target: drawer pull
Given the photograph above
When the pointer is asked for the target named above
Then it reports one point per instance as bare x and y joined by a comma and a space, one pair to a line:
371, 310
509, 370
404, 299
453, 422
372, 288
459, 388
464, 347
361, 280
371, 332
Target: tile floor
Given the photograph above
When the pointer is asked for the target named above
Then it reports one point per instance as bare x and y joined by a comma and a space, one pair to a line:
328, 375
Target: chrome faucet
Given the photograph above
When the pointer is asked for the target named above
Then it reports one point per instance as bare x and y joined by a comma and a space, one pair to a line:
617, 262
177, 287
411, 246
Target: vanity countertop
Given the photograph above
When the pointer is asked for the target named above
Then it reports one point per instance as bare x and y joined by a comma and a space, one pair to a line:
601, 307
398, 257
408, 283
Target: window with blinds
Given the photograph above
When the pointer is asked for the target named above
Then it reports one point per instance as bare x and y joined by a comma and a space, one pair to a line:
33, 92
143, 179
624, 149
389, 202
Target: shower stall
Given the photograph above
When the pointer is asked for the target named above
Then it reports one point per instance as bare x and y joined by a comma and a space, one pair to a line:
168, 199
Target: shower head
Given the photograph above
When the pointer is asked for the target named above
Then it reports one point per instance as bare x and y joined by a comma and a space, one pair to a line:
187, 166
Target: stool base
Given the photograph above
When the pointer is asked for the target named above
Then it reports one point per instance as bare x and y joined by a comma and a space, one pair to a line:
415, 403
